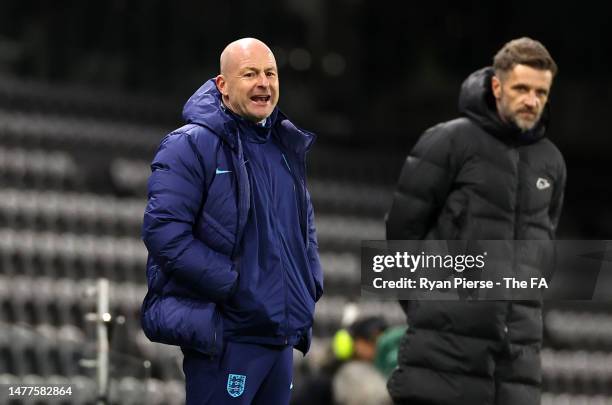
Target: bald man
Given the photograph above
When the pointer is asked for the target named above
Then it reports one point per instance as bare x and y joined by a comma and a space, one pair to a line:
233, 269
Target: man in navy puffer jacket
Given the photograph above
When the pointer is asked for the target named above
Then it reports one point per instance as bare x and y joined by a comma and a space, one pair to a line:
233, 269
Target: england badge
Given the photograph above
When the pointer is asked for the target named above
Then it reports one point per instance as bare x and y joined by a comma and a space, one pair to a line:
236, 384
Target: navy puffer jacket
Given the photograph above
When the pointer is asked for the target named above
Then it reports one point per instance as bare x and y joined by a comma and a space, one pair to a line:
194, 222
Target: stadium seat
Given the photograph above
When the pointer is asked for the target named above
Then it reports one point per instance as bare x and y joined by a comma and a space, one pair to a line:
37, 169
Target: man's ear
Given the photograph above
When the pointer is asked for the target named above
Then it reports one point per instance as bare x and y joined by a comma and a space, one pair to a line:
496, 87
221, 84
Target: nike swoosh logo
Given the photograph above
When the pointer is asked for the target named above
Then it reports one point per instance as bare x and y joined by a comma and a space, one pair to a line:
219, 171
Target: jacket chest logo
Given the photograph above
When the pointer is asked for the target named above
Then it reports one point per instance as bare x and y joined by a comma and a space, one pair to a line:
542, 183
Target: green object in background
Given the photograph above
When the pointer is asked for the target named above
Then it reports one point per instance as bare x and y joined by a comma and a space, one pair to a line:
343, 345
387, 347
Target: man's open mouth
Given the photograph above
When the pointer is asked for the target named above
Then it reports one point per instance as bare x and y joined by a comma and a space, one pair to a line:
260, 99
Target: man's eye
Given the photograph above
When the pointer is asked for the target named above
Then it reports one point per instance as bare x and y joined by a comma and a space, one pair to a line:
249, 74
270, 74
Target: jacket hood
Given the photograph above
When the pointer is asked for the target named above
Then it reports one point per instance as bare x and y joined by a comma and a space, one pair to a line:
205, 108
477, 103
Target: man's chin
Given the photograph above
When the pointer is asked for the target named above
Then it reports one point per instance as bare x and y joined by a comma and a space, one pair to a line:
525, 125
259, 115
258, 118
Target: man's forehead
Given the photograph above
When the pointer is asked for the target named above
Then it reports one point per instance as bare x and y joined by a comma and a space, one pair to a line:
257, 61
524, 73
256, 57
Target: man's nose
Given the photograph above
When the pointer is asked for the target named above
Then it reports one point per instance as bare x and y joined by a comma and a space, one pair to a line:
532, 100
263, 80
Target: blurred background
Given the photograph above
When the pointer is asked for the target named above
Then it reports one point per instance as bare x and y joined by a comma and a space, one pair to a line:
89, 88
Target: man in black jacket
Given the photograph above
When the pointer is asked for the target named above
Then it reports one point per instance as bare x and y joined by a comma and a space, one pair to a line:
489, 175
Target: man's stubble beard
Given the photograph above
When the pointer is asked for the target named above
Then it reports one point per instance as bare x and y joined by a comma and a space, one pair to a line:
513, 117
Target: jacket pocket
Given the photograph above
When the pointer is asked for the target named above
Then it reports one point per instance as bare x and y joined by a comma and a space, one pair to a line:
312, 285
182, 322
215, 235
156, 278
461, 222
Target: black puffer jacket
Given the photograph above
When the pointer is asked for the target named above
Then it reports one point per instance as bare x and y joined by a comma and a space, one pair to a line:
476, 178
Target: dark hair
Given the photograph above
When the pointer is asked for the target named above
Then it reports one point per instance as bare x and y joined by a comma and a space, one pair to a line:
368, 328
523, 51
